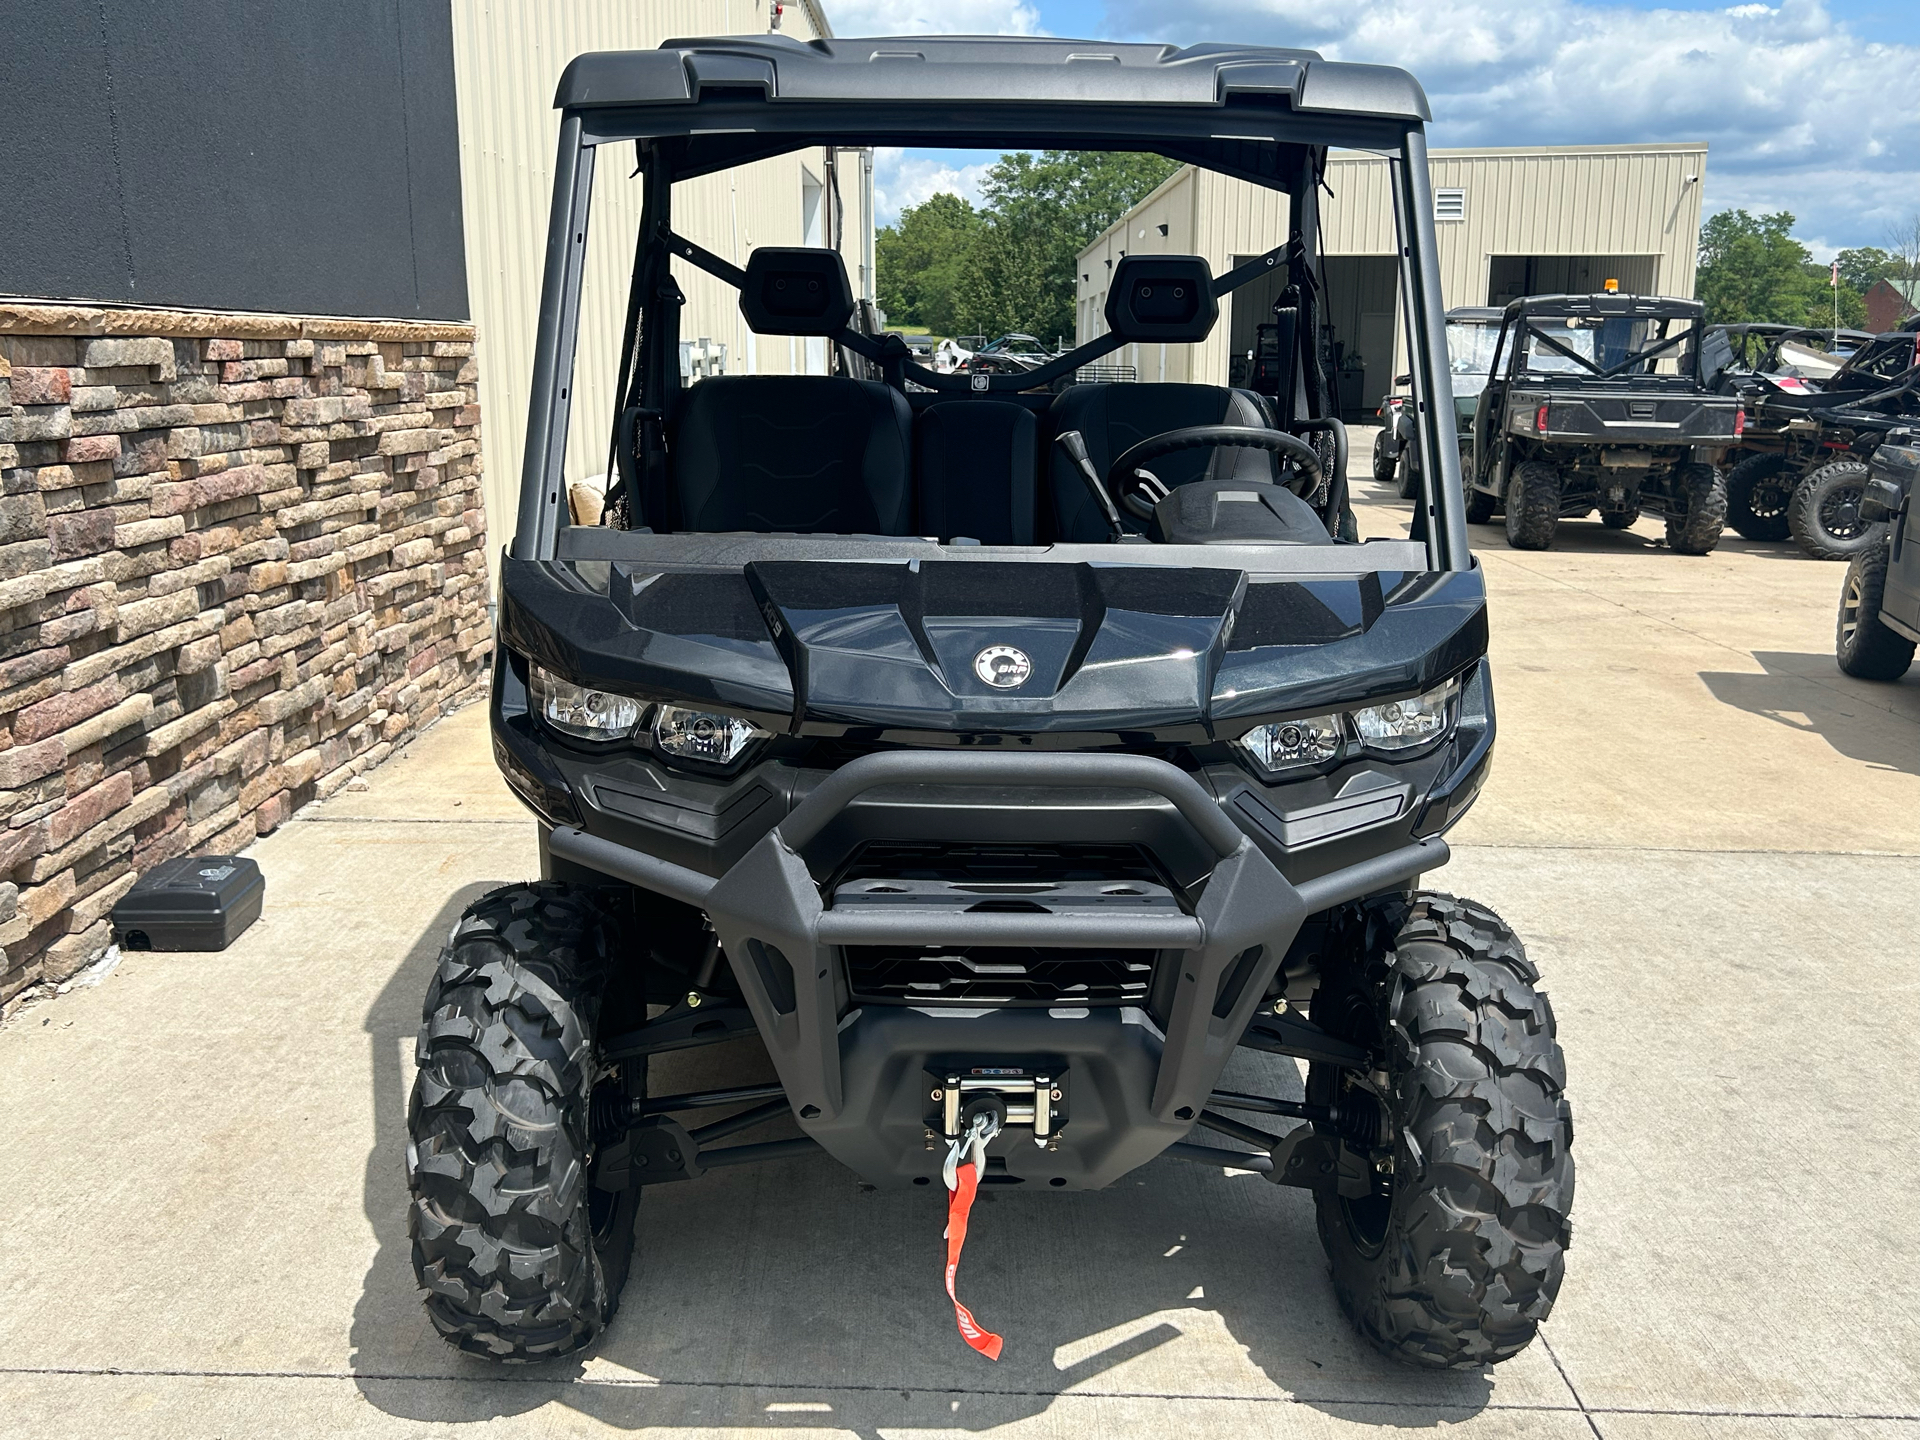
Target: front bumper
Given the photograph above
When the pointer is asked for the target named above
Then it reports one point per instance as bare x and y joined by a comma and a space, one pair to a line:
857, 1074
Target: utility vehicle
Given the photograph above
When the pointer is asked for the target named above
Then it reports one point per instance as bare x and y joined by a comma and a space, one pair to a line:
1471, 333
1003, 761
1598, 402
1801, 468
1879, 620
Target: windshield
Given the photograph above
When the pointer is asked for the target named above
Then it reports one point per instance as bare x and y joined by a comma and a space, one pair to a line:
1470, 354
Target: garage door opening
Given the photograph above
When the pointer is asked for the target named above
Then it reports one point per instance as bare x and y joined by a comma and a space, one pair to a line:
1511, 276
1362, 297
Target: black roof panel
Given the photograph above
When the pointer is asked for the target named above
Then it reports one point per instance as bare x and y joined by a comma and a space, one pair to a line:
986, 69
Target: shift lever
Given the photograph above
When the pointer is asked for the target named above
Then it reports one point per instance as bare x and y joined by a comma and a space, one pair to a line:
1076, 448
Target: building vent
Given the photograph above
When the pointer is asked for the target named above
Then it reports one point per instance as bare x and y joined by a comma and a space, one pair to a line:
1449, 204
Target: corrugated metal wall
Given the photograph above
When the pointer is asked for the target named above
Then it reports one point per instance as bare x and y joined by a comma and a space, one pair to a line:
508, 55
1630, 204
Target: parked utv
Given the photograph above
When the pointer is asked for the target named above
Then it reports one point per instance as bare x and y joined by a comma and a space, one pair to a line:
1471, 332
1597, 402
1879, 621
1801, 468
1003, 761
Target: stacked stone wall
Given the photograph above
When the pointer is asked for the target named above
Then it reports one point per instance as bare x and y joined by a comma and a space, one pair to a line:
241, 559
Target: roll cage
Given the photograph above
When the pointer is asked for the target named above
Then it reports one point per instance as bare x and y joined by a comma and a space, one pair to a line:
693, 107
1524, 320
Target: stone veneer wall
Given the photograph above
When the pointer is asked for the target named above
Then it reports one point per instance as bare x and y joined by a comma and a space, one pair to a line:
242, 558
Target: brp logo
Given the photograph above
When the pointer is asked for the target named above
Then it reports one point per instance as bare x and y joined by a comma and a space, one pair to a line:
1003, 667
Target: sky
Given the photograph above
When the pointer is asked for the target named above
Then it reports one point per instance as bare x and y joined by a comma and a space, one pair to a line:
1811, 106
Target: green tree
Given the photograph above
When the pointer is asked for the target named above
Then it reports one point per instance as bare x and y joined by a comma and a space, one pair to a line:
1002, 283
917, 262
1752, 269
1054, 203
1862, 269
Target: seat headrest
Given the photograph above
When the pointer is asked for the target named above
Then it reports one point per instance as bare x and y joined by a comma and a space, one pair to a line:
794, 290
1167, 298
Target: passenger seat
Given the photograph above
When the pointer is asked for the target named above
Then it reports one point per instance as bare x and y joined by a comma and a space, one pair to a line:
1113, 418
974, 464
812, 454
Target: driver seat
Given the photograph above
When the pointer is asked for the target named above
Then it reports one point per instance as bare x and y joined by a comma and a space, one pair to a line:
1113, 417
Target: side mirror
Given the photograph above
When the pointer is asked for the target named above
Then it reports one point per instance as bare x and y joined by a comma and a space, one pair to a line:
1403, 379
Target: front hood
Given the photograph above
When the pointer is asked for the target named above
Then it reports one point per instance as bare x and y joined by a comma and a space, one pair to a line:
911, 644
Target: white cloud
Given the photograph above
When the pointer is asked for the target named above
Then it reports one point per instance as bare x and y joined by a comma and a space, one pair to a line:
932, 17
1800, 113
903, 177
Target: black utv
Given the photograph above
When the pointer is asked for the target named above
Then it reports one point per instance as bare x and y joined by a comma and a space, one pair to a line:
1812, 428
1598, 402
1005, 762
1879, 622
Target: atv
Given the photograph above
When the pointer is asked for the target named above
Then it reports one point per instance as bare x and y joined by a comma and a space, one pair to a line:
1597, 402
1004, 762
1471, 333
1879, 622
1801, 468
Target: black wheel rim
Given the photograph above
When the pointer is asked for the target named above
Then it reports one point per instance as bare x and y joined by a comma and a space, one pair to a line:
1767, 502
1840, 512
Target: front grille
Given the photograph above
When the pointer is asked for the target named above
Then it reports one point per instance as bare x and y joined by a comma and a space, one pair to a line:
998, 975
1006, 864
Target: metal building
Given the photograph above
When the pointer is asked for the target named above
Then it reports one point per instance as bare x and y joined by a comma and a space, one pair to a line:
1510, 222
508, 55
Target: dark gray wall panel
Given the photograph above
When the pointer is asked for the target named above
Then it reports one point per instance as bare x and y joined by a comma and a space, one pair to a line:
233, 154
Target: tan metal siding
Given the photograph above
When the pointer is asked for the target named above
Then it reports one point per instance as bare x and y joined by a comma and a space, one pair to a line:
1629, 202
508, 55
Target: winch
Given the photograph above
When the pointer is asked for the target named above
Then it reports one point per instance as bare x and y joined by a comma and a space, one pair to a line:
1030, 1095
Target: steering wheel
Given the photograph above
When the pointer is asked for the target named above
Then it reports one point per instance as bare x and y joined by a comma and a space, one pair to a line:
1128, 469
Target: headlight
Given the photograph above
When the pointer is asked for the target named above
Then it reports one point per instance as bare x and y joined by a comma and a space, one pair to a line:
582, 713
1402, 725
1395, 729
703, 735
1294, 744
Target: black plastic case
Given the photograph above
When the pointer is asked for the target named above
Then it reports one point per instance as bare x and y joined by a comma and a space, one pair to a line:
198, 902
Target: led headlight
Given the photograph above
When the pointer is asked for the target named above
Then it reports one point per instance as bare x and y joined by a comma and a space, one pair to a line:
1294, 744
1402, 725
702, 735
580, 712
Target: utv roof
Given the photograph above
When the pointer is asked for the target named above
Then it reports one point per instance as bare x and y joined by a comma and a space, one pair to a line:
1645, 306
1470, 313
987, 70
1787, 332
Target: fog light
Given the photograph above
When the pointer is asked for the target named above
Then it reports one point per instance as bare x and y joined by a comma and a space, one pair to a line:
1294, 744
1402, 725
703, 735
580, 712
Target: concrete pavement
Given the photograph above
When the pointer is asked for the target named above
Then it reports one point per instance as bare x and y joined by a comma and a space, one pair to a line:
1709, 838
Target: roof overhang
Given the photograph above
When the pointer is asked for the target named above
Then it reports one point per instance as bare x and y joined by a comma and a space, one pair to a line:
963, 71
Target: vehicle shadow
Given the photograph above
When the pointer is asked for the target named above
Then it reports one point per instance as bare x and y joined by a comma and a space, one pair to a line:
772, 1295
1865, 720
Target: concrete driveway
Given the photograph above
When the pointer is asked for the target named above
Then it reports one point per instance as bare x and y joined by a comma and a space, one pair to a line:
1709, 838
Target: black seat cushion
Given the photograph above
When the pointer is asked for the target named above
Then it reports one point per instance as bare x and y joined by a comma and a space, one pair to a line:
1111, 418
819, 454
973, 471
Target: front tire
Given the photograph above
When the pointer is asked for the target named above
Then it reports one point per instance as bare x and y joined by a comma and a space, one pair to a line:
1533, 506
1758, 493
1825, 513
1865, 647
1699, 530
1458, 1262
520, 1256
